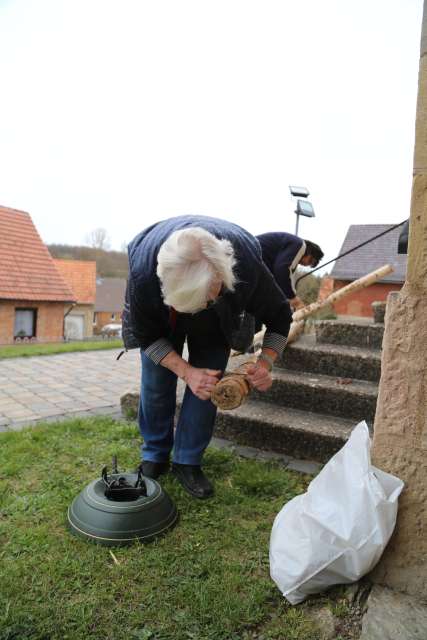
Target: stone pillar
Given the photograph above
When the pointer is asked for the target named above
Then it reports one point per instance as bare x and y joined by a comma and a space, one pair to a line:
400, 430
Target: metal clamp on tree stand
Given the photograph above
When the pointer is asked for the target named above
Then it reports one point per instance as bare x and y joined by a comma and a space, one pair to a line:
120, 489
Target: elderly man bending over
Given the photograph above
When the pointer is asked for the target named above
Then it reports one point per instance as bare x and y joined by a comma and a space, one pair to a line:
191, 278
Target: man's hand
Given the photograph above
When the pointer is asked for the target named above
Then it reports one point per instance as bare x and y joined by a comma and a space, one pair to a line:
201, 381
296, 303
259, 376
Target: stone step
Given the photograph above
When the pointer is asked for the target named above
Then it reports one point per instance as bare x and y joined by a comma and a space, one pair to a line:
344, 397
333, 360
300, 434
350, 333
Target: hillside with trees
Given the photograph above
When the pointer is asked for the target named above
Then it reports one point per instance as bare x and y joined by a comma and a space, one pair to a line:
307, 287
109, 264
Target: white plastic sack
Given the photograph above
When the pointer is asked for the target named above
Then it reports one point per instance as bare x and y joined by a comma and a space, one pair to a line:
335, 532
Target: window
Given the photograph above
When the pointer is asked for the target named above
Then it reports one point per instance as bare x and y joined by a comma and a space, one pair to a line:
94, 318
25, 323
113, 316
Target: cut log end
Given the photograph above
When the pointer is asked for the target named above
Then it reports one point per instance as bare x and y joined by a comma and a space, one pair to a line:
232, 390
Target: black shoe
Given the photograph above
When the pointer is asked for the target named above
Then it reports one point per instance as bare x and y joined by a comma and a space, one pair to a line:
193, 480
153, 469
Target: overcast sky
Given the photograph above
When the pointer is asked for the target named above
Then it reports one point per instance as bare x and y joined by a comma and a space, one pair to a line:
118, 114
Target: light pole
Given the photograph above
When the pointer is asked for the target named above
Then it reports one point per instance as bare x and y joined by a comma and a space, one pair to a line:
303, 207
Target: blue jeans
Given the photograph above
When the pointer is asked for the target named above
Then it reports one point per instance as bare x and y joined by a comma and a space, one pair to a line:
158, 402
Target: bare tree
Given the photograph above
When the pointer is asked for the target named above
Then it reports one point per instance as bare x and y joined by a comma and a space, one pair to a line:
98, 239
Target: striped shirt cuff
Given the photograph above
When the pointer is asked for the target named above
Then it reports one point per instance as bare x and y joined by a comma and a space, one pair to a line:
158, 350
274, 341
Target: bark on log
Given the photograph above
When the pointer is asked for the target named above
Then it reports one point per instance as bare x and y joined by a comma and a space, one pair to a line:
295, 331
361, 283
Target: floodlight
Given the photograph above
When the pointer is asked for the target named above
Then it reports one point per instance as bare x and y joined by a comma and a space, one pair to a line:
299, 192
304, 208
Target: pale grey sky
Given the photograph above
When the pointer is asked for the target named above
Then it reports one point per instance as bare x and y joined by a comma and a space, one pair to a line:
118, 114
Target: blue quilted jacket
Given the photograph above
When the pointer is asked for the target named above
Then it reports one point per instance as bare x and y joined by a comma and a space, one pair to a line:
146, 317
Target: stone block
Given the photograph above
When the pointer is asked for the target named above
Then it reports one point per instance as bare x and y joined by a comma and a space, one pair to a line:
393, 616
304, 466
129, 403
332, 360
400, 440
347, 398
378, 309
350, 333
324, 621
301, 435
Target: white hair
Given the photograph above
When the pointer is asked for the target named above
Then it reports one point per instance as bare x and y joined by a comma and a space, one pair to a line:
190, 261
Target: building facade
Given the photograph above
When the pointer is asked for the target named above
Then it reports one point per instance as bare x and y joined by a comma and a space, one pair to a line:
362, 261
80, 275
110, 297
33, 295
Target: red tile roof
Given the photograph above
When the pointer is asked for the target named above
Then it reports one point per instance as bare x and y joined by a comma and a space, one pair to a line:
80, 275
27, 270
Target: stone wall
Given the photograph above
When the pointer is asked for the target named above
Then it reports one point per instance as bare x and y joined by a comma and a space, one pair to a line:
400, 439
400, 434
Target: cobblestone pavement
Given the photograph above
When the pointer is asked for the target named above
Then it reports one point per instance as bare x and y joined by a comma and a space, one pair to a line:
52, 387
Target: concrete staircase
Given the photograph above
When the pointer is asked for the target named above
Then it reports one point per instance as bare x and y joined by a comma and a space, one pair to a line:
323, 386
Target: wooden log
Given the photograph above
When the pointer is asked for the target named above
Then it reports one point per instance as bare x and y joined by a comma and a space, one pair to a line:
231, 391
361, 283
300, 315
295, 331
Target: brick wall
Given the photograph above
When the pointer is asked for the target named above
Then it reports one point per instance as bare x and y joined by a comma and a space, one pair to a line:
326, 287
359, 303
104, 317
7, 315
50, 320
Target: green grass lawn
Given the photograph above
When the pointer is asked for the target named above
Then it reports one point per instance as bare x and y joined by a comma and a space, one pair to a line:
26, 350
206, 579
